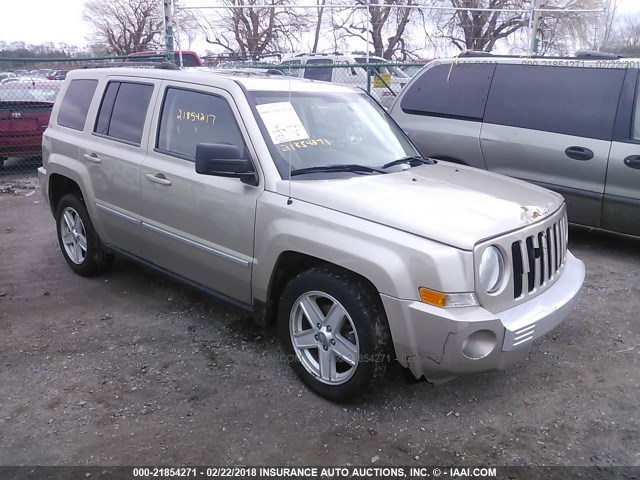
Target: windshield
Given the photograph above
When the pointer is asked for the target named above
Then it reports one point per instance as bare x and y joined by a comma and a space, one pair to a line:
316, 129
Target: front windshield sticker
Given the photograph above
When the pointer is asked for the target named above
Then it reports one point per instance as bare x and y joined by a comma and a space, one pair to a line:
286, 147
282, 122
196, 116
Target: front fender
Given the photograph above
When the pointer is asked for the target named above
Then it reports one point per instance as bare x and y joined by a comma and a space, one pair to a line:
397, 263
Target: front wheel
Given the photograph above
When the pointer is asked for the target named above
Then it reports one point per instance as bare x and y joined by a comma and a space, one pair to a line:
334, 332
79, 242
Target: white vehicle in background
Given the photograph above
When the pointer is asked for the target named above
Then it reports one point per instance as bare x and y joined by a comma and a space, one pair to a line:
385, 82
7, 75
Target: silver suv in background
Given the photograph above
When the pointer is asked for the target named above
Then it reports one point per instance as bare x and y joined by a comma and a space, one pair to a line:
305, 204
568, 124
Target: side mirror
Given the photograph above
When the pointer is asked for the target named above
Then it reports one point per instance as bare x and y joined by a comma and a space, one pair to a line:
222, 160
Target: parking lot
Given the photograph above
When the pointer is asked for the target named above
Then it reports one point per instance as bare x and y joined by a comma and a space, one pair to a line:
130, 368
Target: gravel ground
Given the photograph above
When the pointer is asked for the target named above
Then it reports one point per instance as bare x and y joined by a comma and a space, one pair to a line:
131, 368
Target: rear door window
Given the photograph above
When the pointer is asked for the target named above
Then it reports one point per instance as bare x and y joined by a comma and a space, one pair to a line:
189, 117
568, 100
319, 73
76, 102
123, 111
450, 90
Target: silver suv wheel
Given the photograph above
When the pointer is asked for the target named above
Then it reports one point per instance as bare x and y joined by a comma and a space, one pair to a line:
79, 242
74, 236
334, 332
324, 337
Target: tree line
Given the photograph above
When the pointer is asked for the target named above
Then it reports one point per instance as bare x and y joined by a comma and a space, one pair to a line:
385, 27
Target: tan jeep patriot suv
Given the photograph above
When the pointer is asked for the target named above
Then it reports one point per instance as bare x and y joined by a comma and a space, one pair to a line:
304, 203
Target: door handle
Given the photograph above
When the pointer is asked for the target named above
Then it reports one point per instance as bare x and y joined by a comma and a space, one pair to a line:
158, 178
632, 161
579, 153
92, 157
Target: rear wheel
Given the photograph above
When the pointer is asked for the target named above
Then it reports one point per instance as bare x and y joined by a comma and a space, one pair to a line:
79, 242
2, 159
334, 331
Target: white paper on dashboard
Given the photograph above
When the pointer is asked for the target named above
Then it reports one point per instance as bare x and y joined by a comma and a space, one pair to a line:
282, 122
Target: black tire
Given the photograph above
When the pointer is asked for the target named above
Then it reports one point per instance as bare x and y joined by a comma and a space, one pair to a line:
2, 159
96, 258
364, 307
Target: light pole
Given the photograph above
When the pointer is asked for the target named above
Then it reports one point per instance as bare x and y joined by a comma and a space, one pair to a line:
168, 24
534, 24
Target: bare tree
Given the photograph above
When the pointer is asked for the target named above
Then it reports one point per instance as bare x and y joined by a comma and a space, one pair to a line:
382, 24
316, 37
565, 31
608, 21
480, 30
123, 26
625, 38
188, 28
253, 31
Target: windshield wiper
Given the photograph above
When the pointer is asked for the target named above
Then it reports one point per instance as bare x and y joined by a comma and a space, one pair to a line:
413, 160
336, 168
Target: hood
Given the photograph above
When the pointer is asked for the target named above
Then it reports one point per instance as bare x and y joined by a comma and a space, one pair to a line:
451, 204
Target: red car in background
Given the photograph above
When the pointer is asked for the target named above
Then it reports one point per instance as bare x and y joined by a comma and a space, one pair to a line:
57, 75
25, 108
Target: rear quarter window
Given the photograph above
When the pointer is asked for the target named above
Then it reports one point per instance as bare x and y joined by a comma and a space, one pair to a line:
75, 103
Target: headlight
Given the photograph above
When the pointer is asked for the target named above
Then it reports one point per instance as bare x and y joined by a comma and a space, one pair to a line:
491, 269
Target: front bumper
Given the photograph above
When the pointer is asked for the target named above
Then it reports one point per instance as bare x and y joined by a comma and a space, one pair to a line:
441, 344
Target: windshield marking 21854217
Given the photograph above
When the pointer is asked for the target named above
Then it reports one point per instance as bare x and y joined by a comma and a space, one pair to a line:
332, 132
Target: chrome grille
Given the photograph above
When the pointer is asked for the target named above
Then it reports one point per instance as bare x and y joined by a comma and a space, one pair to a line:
534, 259
537, 259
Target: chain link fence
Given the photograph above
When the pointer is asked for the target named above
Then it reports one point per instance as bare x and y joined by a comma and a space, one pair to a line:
27, 93
383, 80
29, 87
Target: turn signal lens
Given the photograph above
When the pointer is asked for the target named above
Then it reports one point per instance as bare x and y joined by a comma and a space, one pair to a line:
447, 300
432, 297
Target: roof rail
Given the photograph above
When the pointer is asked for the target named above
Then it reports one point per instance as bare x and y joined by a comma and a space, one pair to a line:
594, 54
474, 53
319, 54
167, 66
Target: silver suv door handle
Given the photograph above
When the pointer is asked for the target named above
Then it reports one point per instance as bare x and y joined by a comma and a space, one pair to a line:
158, 178
632, 161
579, 153
92, 157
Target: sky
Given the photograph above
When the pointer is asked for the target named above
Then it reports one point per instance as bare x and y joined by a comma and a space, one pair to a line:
60, 21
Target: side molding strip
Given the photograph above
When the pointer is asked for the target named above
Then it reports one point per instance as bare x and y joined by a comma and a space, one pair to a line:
118, 214
197, 245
